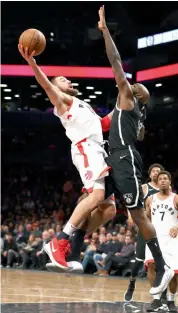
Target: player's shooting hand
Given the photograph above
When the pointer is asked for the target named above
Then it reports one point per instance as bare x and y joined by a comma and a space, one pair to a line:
173, 232
102, 21
28, 57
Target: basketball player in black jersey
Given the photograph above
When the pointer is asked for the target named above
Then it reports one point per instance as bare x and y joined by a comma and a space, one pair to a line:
125, 161
148, 190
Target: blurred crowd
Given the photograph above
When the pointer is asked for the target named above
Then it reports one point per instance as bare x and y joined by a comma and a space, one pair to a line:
36, 204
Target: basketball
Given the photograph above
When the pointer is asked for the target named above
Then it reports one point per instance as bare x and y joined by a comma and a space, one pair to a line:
34, 40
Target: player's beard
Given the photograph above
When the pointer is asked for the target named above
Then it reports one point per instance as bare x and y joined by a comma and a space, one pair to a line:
72, 92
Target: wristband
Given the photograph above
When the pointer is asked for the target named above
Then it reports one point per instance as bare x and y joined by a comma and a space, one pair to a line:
105, 123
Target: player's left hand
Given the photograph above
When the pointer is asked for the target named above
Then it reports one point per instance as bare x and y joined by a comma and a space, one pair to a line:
102, 21
173, 232
25, 53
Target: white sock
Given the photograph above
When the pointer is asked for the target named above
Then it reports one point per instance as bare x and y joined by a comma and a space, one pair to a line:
69, 229
171, 296
157, 297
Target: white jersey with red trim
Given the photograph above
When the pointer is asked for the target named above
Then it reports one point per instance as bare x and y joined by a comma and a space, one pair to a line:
164, 214
81, 122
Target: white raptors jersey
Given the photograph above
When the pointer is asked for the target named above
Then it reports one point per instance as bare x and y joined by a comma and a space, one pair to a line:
164, 214
80, 122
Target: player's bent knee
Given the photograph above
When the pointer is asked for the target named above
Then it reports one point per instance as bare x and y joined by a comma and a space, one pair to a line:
98, 196
112, 210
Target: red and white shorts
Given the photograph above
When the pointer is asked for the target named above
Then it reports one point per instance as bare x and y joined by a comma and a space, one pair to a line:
169, 248
89, 158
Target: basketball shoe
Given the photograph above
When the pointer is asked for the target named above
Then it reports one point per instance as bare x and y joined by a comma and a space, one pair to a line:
57, 251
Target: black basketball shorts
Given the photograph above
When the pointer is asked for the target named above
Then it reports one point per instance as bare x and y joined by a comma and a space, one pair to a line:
126, 173
140, 248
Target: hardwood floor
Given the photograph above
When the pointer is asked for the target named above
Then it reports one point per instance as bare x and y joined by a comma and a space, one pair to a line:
27, 287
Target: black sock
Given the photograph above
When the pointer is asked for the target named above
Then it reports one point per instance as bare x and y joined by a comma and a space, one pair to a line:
76, 244
62, 235
156, 253
136, 268
164, 294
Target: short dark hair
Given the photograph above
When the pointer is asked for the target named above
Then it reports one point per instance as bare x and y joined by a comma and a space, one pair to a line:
155, 165
164, 173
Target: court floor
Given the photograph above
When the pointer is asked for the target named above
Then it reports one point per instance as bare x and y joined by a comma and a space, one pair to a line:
45, 292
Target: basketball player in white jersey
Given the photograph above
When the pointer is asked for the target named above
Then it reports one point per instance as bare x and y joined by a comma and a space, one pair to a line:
162, 209
148, 190
84, 129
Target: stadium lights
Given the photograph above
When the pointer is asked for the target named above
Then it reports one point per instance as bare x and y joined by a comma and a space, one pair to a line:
51, 39
87, 100
7, 98
52, 34
7, 90
16, 96
33, 86
34, 96
157, 39
75, 84
88, 87
98, 92
166, 99
80, 94
46, 99
38, 93
3, 85
92, 97
158, 85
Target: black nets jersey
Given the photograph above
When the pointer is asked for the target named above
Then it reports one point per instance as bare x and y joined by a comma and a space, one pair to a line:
125, 127
150, 191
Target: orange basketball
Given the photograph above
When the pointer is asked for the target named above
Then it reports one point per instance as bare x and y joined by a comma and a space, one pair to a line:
33, 39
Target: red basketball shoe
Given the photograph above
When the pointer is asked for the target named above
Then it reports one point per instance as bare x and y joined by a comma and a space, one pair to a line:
56, 249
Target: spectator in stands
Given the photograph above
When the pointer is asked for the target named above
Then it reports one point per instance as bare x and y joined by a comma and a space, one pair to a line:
38, 256
28, 230
21, 238
95, 236
122, 230
88, 256
35, 230
26, 252
51, 233
110, 228
108, 237
121, 238
101, 252
117, 228
119, 259
58, 229
10, 251
102, 230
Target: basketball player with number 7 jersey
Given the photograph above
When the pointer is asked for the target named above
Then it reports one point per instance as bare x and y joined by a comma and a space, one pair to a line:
84, 128
162, 210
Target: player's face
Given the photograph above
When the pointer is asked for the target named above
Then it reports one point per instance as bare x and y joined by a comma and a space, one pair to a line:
65, 85
164, 182
154, 173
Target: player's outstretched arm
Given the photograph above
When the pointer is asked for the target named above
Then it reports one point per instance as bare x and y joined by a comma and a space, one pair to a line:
116, 63
55, 96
